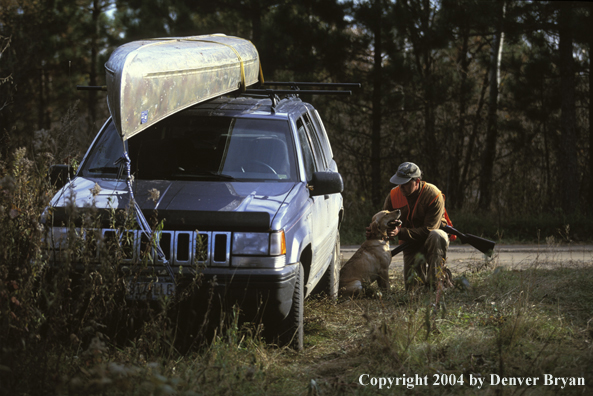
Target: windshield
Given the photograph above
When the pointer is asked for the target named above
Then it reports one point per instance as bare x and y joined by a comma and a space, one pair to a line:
101, 159
201, 148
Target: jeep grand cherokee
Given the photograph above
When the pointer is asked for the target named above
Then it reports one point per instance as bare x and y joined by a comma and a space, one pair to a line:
248, 190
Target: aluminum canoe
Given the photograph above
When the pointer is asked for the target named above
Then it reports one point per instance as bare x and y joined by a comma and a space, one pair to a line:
149, 80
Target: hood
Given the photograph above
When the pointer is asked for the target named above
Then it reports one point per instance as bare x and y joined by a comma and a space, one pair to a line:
177, 196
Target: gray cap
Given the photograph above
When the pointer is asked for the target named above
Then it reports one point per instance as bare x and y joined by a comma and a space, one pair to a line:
406, 172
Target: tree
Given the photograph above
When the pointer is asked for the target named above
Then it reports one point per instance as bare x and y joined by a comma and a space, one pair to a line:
489, 153
567, 154
426, 43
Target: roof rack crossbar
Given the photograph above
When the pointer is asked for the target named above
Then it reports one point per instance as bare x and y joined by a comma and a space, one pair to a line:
297, 92
316, 84
91, 87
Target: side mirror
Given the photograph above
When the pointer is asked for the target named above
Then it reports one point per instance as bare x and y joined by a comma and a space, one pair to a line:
59, 175
324, 183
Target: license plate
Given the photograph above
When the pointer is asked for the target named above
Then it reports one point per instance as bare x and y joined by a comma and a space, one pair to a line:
149, 290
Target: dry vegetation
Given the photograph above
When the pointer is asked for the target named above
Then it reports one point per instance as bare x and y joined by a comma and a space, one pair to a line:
61, 334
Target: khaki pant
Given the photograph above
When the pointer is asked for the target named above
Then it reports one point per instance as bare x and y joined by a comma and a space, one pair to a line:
425, 260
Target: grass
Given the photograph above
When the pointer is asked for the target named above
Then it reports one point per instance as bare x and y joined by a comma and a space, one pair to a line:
514, 323
518, 323
66, 336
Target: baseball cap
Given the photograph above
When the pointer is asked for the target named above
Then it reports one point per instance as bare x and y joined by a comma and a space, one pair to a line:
406, 172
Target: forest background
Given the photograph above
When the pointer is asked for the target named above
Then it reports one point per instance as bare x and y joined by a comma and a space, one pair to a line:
492, 99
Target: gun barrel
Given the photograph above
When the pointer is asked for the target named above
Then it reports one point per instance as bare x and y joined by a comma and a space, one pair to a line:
484, 245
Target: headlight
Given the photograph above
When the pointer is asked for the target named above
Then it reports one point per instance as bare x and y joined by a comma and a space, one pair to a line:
259, 243
251, 243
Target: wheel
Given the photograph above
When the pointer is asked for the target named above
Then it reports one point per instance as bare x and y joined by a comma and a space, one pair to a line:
329, 284
291, 330
263, 164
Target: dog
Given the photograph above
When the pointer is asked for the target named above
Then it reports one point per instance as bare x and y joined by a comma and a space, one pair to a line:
371, 261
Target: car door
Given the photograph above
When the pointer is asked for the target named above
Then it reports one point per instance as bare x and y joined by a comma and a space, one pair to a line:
322, 222
335, 200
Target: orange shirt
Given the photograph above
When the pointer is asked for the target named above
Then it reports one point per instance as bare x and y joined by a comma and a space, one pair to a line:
422, 212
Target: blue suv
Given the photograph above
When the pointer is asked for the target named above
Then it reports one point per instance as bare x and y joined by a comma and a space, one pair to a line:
249, 195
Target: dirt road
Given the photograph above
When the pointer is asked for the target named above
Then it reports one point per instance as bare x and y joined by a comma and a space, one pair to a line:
463, 257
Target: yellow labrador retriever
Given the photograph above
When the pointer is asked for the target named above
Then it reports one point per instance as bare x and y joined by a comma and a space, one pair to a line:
371, 261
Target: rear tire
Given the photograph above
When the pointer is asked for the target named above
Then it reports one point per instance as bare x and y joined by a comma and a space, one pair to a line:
291, 328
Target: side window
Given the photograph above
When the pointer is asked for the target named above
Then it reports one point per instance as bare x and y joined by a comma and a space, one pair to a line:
319, 155
322, 135
306, 150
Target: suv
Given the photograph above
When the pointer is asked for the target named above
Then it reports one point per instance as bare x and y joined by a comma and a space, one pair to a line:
250, 196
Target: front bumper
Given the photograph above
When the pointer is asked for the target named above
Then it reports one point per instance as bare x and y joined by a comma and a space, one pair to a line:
259, 292
267, 291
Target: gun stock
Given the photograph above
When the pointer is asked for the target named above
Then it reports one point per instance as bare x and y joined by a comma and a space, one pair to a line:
399, 249
485, 246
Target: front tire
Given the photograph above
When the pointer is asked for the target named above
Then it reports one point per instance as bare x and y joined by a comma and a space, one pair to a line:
291, 329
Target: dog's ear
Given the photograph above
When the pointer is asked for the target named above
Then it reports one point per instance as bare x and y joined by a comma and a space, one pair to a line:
375, 228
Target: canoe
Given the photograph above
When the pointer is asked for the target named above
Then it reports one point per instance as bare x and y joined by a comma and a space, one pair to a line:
149, 80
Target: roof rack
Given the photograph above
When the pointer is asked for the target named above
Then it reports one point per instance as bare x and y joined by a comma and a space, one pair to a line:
91, 87
314, 84
295, 89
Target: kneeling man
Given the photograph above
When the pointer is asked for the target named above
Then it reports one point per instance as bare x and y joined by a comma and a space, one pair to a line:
422, 207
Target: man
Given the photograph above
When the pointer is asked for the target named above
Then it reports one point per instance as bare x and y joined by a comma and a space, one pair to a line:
423, 213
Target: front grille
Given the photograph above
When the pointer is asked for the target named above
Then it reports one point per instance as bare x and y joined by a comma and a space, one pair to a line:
179, 247
221, 249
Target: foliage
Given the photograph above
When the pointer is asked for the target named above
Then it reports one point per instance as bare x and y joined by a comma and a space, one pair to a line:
424, 97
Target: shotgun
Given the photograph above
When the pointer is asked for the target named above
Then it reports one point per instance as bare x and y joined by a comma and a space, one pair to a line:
485, 246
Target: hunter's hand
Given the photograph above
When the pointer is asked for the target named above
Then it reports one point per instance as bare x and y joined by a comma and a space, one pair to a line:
392, 232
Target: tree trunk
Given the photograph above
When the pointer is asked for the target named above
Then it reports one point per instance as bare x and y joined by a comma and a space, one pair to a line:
92, 95
430, 138
256, 15
590, 103
489, 153
568, 171
472, 142
41, 103
463, 61
377, 199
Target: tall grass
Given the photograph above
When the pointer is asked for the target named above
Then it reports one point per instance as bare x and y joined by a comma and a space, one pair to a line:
68, 327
